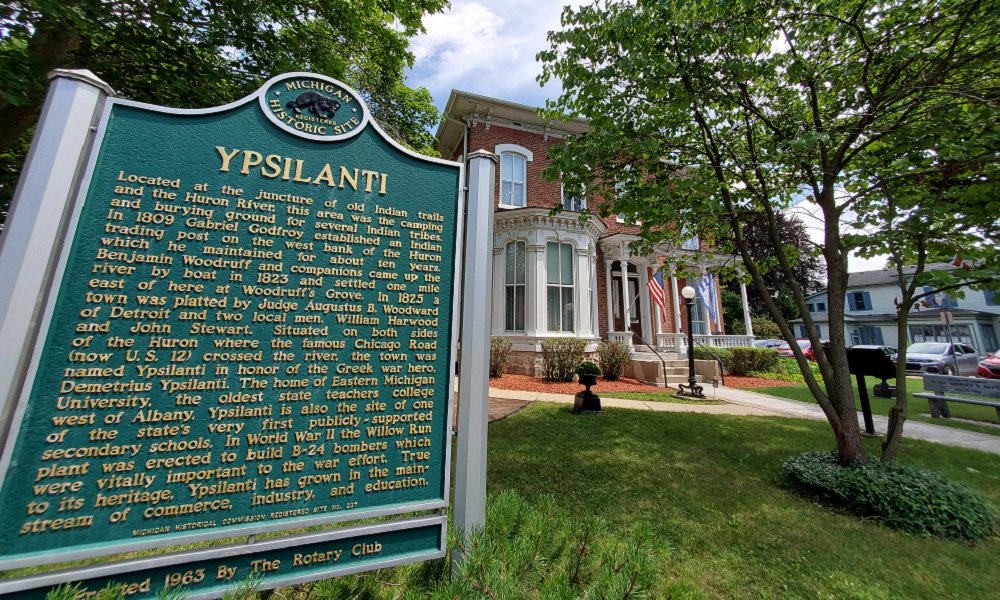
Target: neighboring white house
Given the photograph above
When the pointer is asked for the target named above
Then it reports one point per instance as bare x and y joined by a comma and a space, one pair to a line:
870, 313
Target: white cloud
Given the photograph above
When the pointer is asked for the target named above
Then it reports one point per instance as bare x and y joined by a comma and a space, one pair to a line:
486, 47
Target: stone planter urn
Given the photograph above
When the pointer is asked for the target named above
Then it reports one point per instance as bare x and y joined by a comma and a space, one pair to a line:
587, 402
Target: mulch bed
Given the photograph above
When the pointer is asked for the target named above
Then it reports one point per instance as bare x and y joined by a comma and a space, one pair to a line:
532, 384
747, 383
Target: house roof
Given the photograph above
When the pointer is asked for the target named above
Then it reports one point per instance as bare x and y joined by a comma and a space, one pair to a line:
466, 107
932, 314
886, 276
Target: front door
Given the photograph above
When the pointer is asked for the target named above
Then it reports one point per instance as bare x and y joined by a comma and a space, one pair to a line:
629, 294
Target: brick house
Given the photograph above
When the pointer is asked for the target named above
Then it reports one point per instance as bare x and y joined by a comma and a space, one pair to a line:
558, 276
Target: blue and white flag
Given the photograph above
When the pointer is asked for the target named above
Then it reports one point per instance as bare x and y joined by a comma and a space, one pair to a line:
706, 290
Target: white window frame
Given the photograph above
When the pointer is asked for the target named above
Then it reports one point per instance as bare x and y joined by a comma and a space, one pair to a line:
562, 286
522, 153
515, 286
562, 197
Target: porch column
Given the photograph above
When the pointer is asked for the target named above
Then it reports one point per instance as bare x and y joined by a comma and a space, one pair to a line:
499, 294
626, 309
626, 312
581, 294
746, 309
607, 290
595, 321
676, 301
534, 309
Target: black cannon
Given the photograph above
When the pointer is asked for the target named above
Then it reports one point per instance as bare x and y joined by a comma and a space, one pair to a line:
873, 361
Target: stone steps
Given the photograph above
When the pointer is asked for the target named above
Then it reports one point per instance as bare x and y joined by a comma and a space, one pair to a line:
648, 368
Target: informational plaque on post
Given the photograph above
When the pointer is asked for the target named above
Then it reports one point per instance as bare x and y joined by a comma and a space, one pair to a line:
250, 328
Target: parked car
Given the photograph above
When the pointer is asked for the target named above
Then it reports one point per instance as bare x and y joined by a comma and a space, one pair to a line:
888, 350
989, 366
773, 344
810, 353
786, 351
938, 357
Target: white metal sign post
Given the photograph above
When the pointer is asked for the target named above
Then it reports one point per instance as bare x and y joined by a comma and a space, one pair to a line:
470, 458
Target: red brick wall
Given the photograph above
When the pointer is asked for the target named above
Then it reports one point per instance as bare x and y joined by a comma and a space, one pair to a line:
544, 194
540, 193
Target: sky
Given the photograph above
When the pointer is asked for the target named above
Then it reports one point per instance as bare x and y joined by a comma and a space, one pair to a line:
488, 47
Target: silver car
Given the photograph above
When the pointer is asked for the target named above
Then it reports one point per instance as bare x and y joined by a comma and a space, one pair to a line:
938, 357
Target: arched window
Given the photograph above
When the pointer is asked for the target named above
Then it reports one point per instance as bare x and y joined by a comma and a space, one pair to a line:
514, 161
559, 286
514, 287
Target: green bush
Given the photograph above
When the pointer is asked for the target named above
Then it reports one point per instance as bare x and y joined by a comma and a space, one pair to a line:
614, 357
724, 354
900, 496
588, 368
499, 354
746, 359
561, 356
786, 369
765, 328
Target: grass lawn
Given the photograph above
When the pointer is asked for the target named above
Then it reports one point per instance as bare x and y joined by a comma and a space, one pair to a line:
917, 409
708, 488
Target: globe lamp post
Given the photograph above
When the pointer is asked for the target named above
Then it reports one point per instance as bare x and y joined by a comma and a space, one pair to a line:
693, 389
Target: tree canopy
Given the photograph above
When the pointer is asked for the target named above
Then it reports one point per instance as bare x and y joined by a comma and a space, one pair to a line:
189, 54
715, 114
807, 266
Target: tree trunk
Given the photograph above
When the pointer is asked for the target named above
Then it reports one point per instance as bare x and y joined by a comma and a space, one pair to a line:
833, 362
841, 393
898, 413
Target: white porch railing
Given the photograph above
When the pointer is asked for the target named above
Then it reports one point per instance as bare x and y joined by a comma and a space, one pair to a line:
621, 336
677, 342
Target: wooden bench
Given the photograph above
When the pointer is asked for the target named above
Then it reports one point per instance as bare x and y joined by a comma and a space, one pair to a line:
943, 387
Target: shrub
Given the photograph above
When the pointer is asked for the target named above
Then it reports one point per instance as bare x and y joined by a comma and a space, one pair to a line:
786, 369
899, 496
746, 359
724, 354
614, 357
561, 356
588, 368
499, 354
764, 327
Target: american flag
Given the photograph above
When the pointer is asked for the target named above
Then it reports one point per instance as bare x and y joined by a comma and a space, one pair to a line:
656, 292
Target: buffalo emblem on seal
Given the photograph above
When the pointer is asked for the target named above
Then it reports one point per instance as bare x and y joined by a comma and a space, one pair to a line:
318, 104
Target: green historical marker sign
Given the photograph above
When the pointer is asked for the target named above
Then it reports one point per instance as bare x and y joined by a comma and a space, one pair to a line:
282, 561
251, 329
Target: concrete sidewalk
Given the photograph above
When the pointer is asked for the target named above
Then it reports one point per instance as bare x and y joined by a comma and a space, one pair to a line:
747, 403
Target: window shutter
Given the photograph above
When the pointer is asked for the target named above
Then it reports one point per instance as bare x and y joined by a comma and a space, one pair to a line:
850, 301
878, 336
868, 301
